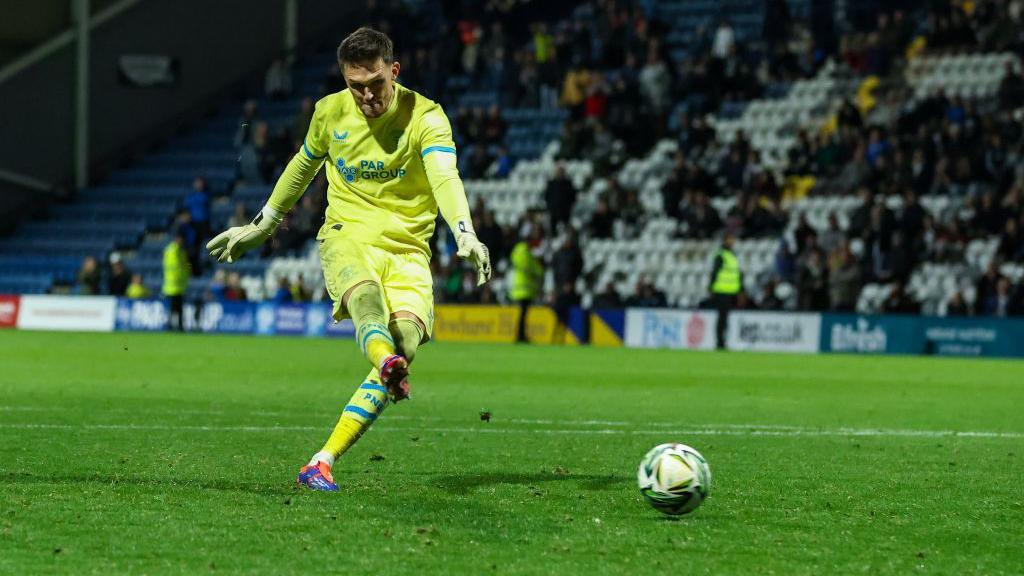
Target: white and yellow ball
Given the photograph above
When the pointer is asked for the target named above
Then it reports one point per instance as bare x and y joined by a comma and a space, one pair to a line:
674, 478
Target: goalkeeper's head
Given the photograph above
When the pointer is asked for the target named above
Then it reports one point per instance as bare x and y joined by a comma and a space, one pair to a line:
367, 61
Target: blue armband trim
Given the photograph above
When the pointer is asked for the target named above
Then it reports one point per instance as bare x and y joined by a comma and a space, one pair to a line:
309, 154
437, 149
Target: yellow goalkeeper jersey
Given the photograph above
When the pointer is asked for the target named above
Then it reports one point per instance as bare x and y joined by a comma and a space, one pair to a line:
377, 185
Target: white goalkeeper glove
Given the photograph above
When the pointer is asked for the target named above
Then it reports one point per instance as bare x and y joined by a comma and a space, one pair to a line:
230, 244
472, 249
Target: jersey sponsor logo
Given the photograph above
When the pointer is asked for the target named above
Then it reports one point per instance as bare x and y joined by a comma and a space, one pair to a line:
374, 170
340, 137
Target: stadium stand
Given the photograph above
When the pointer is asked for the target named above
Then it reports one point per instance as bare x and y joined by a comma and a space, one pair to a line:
887, 169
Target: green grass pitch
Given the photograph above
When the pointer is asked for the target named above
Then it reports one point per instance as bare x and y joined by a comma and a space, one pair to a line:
152, 453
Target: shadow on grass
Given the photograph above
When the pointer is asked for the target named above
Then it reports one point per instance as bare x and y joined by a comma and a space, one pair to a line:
464, 483
115, 480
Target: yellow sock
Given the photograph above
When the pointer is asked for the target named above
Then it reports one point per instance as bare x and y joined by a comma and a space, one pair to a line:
366, 307
377, 350
362, 409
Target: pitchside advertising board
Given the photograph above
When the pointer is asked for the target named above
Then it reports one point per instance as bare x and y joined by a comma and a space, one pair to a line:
773, 331
662, 328
235, 318
8, 310
79, 313
922, 335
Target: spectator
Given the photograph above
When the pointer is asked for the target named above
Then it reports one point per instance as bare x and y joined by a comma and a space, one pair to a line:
300, 125
1010, 246
89, 277
957, 306
478, 162
812, 282
527, 275
494, 126
246, 124
137, 289
198, 205
567, 261
985, 288
725, 40
283, 295
1000, 302
602, 220
233, 291
490, 233
655, 82
300, 293
501, 167
119, 279
176, 276
844, 279
565, 300
560, 197
899, 302
238, 217
833, 236
647, 296
255, 162
608, 298
184, 227
701, 219
277, 84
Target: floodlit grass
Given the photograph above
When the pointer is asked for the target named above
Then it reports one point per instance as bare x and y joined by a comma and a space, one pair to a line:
152, 453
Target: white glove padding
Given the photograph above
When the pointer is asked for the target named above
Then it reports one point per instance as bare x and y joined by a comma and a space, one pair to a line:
472, 249
229, 245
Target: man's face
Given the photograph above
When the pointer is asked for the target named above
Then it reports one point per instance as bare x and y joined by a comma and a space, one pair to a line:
372, 84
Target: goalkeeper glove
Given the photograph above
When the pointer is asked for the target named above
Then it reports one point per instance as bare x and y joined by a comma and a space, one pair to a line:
229, 245
472, 249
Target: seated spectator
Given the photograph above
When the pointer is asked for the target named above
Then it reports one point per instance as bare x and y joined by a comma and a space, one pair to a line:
238, 217
899, 302
647, 296
491, 234
957, 306
607, 298
1001, 303
494, 126
89, 277
234, 291
283, 295
119, 279
136, 289
246, 124
277, 84
701, 219
477, 163
300, 293
501, 167
255, 162
217, 288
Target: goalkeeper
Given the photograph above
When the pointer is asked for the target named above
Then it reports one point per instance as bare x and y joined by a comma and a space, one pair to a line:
390, 166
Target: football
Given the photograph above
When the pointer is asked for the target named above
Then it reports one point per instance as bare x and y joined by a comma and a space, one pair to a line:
674, 478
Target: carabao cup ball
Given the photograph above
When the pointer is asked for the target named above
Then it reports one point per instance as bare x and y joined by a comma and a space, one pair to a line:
674, 478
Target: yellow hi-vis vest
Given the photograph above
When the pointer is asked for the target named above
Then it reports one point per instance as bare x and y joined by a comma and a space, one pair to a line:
727, 281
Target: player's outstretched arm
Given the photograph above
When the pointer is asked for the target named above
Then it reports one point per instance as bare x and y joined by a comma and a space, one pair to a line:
229, 245
450, 195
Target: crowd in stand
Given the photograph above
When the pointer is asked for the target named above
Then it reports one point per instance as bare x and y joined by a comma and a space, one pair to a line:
610, 67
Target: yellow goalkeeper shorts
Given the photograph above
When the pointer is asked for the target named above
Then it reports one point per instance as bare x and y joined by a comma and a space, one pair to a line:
405, 277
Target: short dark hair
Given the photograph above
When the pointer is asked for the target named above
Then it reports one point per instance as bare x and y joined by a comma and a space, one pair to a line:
366, 45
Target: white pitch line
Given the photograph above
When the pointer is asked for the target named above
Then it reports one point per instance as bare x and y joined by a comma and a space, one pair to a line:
487, 429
